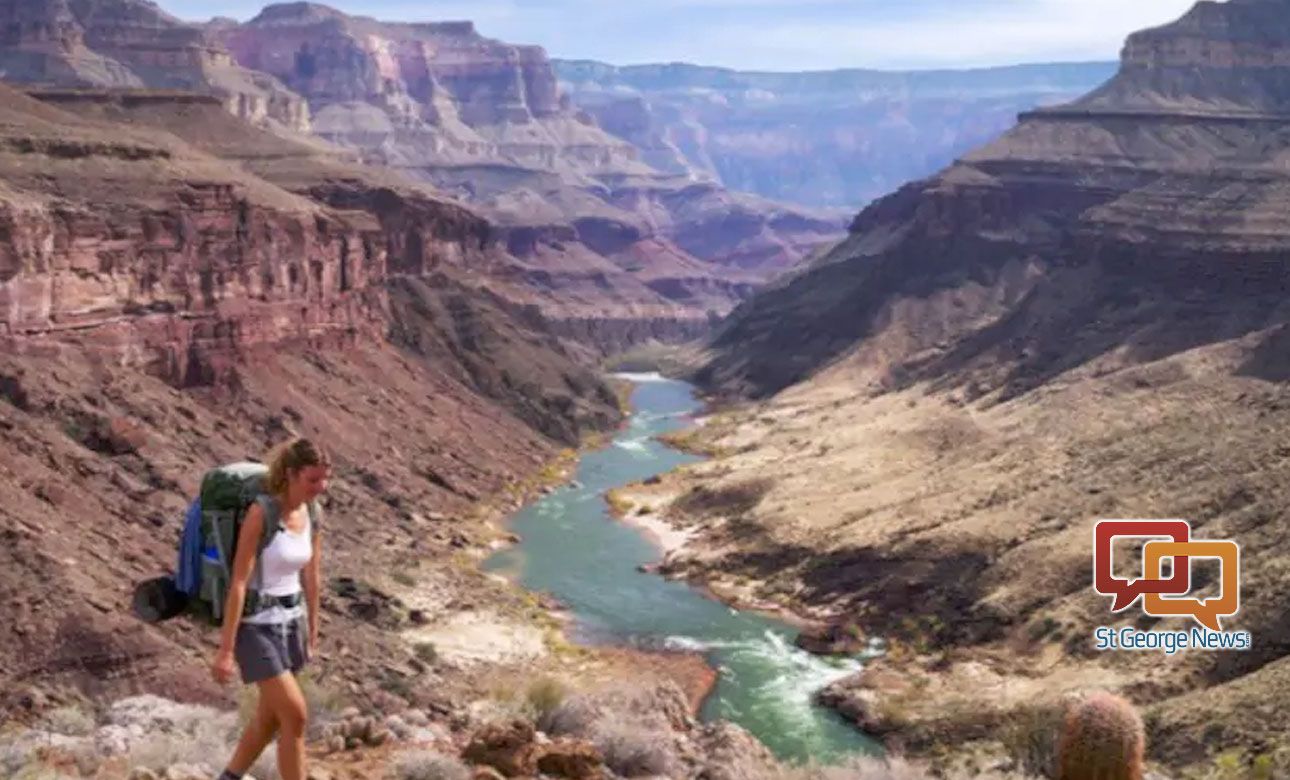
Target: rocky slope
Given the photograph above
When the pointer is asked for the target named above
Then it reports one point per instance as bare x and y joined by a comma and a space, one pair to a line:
166, 309
133, 43
833, 138
1152, 190
1083, 319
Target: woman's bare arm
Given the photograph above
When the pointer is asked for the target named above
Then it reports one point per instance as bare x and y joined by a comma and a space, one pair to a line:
312, 581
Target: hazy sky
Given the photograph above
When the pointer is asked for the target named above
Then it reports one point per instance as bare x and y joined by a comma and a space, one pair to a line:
780, 34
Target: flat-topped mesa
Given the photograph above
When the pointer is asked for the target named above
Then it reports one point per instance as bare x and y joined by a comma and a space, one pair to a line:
1235, 34
460, 28
132, 43
332, 57
296, 13
1231, 57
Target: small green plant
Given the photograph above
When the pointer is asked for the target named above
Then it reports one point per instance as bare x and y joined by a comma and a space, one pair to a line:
1236, 764
1042, 628
426, 652
618, 506
544, 695
1264, 767
397, 686
402, 577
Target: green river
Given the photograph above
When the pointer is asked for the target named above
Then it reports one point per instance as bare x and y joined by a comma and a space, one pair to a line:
575, 551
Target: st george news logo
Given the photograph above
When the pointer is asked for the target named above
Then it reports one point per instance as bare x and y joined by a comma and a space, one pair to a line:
1168, 540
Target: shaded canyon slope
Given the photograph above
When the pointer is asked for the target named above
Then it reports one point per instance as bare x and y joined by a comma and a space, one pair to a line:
828, 138
1085, 318
1152, 201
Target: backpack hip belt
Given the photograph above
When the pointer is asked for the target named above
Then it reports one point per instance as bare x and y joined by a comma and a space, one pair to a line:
256, 602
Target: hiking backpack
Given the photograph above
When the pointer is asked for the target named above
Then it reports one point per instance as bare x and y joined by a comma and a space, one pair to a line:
208, 547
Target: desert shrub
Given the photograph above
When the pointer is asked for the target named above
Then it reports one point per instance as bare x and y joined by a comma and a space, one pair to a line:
428, 765
575, 716
40, 772
325, 704
1030, 736
618, 505
544, 695
874, 768
202, 743
70, 721
1238, 764
426, 652
634, 752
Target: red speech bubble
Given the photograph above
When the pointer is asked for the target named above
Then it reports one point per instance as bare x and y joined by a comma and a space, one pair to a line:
1128, 591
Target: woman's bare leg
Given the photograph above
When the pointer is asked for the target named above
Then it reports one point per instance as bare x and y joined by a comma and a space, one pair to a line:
287, 704
256, 737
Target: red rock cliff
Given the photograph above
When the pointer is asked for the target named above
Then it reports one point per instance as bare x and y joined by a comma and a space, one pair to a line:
133, 43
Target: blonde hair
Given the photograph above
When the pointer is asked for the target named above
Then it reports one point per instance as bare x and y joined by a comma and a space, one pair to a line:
289, 457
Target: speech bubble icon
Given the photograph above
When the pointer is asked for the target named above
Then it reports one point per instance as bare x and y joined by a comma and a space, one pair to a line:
1207, 612
1127, 591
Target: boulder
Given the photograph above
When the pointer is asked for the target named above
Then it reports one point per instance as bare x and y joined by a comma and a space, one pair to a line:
508, 747
859, 704
833, 639
573, 759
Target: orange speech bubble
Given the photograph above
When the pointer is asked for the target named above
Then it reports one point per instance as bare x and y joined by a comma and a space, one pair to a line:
1207, 612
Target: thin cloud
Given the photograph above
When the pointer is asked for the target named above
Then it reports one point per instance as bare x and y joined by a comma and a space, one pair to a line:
781, 34
1052, 31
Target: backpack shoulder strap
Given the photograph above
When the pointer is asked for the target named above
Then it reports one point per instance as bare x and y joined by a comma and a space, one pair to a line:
272, 518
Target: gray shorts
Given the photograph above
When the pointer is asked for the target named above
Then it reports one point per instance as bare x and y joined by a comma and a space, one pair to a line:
266, 651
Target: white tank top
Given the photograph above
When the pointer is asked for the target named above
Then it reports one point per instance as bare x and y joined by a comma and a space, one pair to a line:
280, 564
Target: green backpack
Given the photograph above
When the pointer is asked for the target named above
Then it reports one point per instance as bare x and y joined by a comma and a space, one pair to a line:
208, 547
227, 492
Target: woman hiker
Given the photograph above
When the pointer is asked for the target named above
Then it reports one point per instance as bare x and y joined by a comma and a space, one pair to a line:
269, 640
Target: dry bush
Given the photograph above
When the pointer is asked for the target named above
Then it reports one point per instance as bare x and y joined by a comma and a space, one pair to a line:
1030, 736
576, 716
545, 695
206, 743
632, 752
428, 765
876, 768
325, 703
201, 741
69, 721
426, 653
40, 772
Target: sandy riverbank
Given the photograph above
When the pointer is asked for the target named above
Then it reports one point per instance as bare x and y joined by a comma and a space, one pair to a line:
961, 534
